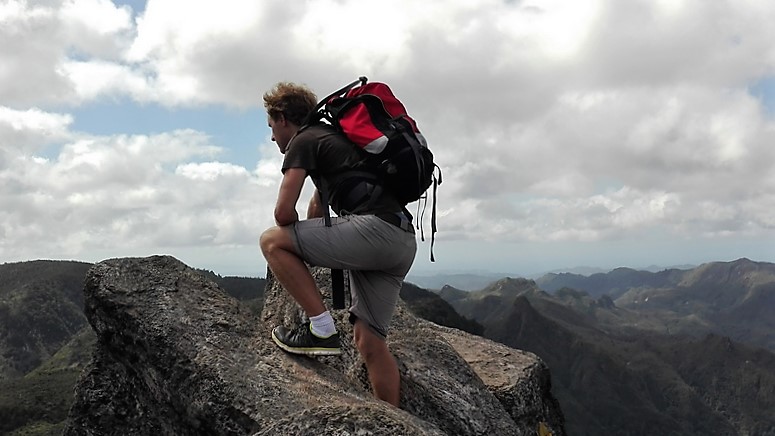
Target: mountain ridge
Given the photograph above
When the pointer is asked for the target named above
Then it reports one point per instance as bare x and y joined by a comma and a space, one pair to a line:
638, 362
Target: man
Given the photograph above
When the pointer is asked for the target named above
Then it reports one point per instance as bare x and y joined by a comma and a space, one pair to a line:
371, 237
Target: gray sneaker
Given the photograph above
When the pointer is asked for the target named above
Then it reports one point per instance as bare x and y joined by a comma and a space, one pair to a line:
301, 340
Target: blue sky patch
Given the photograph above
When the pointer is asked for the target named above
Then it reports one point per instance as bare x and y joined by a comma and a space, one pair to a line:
138, 6
764, 90
239, 132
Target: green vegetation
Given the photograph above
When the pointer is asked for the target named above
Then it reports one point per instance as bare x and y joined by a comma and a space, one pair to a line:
45, 342
41, 308
39, 429
38, 403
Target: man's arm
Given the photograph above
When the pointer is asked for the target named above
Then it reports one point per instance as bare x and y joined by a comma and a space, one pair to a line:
315, 208
290, 189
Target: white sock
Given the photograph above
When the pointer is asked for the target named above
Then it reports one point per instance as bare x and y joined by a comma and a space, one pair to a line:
322, 325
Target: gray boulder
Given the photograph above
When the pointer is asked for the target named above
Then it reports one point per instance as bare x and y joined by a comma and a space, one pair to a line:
176, 355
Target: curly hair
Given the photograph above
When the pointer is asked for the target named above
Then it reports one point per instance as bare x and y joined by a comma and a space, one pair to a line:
293, 101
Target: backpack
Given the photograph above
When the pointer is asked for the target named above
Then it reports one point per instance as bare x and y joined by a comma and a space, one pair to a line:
373, 119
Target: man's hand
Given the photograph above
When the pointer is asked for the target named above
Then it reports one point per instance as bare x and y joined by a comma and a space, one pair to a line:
290, 190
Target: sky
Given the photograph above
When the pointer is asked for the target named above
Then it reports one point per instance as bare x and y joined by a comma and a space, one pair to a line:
570, 133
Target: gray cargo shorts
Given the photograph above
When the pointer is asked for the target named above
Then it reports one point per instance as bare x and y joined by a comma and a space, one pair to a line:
377, 255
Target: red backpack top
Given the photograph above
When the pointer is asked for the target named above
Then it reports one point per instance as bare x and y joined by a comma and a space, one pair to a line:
358, 124
372, 118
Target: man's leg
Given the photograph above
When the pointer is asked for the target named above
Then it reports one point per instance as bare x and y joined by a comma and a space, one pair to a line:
380, 363
290, 270
319, 336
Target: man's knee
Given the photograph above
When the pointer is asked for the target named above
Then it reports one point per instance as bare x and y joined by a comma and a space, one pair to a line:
274, 238
265, 241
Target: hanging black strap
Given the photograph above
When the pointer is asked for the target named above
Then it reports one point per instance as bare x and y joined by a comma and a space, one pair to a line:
422, 202
324, 202
337, 288
337, 275
436, 183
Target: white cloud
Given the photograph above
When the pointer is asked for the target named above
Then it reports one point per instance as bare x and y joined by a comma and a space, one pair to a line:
553, 120
209, 171
96, 79
128, 193
96, 27
25, 131
38, 40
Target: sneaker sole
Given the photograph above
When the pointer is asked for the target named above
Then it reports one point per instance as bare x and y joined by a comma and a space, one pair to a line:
307, 351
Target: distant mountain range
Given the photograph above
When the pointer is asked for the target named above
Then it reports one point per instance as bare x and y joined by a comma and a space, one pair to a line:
641, 353
735, 299
474, 281
462, 281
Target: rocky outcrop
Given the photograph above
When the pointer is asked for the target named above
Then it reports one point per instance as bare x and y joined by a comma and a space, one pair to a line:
176, 355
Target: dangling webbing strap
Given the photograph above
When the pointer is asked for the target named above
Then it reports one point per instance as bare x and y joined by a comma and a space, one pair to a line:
422, 203
337, 288
337, 275
436, 183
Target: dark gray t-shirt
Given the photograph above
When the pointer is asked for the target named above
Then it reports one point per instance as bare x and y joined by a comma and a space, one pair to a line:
326, 155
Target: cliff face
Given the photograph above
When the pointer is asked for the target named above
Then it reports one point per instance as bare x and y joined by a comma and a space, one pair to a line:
176, 355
